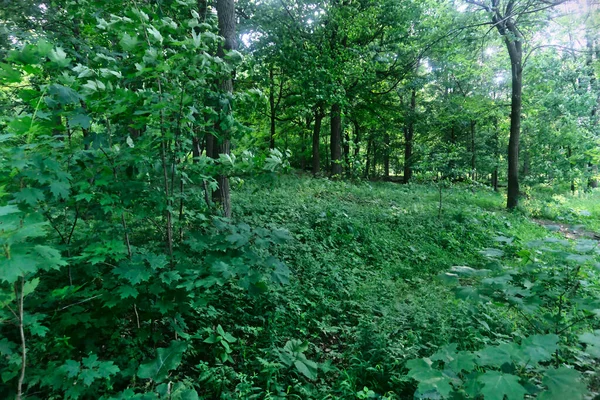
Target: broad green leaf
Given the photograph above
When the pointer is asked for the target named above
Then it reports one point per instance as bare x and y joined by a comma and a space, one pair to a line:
30, 196
563, 383
128, 43
166, 360
497, 385
51, 258
60, 189
429, 379
64, 95
281, 273
155, 33
8, 74
126, 291
307, 368
156, 261
6, 210
445, 354
496, 356
80, 120
134, 272
7, 348
467, 293
71, 368
540, 347
30, 286
18, 265
492, 253
592, 341
88, 376
59, 57
463, 361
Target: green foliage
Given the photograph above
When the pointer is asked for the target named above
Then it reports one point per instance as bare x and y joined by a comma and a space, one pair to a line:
167, 359
121, 279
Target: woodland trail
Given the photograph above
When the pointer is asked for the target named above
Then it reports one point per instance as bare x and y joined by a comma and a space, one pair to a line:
570, 231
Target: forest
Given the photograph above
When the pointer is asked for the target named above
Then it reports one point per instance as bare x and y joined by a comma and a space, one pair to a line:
300, 199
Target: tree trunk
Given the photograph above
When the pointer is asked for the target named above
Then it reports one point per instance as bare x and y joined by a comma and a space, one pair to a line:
356, 139
409, 132
569, 155
453, 142
272, 108
303, 138
473, 151
202, 9
515, 50
346, 148
226, 22
316, 140
374, 162
589, 62
368, 162
496, 155
335, 141
386, 156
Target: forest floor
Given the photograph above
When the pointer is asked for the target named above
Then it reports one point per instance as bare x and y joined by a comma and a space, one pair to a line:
365, 257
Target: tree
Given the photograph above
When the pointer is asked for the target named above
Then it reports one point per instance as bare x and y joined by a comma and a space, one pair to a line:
226, 18
505, 16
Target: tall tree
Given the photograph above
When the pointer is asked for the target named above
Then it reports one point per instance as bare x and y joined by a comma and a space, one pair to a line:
505, 16
226, 18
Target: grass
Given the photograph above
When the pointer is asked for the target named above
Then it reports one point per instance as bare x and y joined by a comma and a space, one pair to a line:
365, 258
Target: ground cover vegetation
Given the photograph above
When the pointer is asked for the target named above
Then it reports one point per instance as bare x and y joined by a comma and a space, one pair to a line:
299, 199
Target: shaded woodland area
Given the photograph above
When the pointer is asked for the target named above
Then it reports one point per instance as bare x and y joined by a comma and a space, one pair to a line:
269, 199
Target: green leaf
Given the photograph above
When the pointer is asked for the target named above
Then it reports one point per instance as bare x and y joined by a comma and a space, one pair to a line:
156, 261
71, 368
185, 394
8, 74
307, 368
238, 240
445, 354
6, 210
592, 341
134, 272
155, 33
60, 189
128, 43
492, 253
281, 273
107, 368
166, 360
212, 339
30, 286
11, 269
126, 291
463, 361
89, 376
51, 257
496, 385
59, 57
563, 383
496, 356
540, 347
30, 196
64, 95
80, 120
467, 293
7, 348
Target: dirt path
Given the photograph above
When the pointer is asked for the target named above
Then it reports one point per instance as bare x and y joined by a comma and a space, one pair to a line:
569, 231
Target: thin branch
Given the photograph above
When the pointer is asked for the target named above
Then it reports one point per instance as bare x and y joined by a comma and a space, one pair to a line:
80, 302
23, 345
